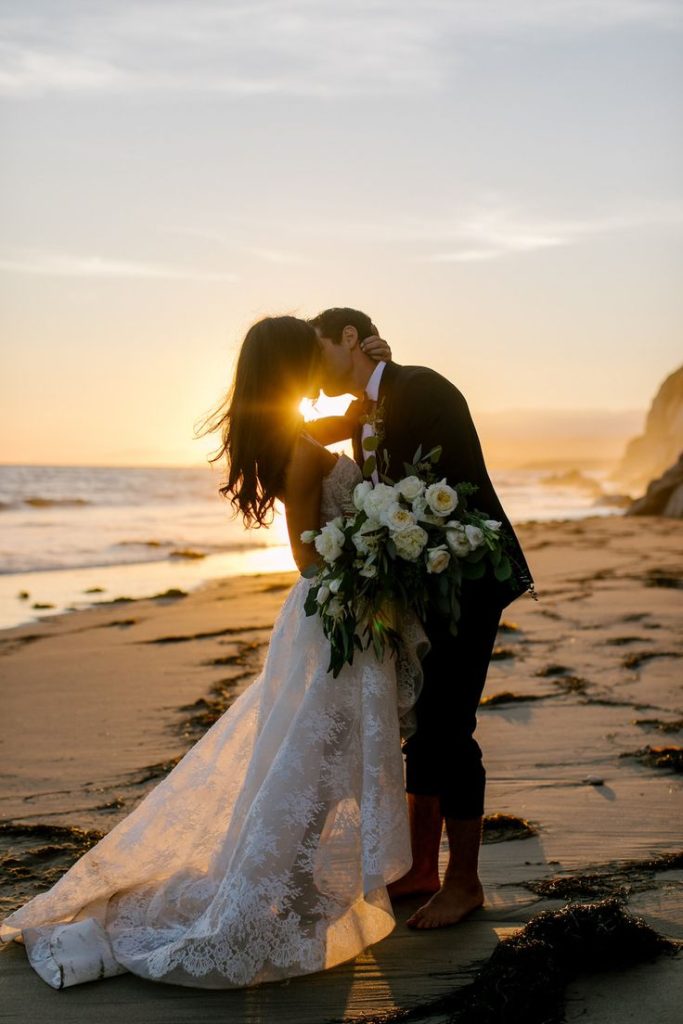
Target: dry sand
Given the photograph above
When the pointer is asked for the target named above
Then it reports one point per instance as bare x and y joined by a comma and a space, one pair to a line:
585, 683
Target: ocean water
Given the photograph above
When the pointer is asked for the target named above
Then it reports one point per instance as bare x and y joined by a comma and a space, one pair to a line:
135, 532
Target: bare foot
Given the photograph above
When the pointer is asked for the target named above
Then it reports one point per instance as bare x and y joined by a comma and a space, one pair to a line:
414, 883
453, 902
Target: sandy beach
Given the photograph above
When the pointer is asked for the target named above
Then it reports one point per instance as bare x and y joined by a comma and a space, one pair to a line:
580, 724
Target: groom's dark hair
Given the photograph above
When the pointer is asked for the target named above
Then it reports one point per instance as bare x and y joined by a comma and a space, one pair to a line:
331, 323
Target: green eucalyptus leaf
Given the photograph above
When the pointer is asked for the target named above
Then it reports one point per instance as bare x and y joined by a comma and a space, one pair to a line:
369, 466
455, 607
472, 570
503, 570
478, 554
370, 444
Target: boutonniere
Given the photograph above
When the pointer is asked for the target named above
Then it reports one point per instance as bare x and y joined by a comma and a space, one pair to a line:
371, 444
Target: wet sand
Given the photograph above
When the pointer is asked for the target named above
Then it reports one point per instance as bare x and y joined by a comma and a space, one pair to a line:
581, 727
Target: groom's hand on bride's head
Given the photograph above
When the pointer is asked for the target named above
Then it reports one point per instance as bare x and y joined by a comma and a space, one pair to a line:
377, 348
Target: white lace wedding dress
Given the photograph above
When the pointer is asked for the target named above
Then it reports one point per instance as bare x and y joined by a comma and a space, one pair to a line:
266, 852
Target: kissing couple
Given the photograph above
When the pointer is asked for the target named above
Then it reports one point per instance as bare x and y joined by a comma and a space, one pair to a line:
279, 842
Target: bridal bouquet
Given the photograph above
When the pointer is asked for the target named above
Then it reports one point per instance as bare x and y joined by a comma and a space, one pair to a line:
403, 545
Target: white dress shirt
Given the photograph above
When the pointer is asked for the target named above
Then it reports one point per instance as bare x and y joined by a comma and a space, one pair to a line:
372, 392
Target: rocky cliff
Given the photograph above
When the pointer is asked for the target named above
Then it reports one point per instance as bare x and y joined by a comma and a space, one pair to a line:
657, 449
664, 496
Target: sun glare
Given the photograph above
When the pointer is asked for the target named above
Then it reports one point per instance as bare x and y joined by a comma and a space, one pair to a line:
315, 409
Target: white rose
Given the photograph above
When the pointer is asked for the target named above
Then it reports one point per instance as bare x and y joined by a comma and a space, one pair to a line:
410, 487
378, 499
329, 542
308, 536
492, 524
441, 498
335, 585
411, 542
474, 535
397, 518
322, 595
360, 493
438, 558
363, 539
335, 609
456, 539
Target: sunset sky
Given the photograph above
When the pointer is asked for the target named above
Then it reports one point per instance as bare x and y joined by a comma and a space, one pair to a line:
496, 182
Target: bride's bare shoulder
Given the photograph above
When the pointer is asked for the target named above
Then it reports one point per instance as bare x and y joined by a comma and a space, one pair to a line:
308, 464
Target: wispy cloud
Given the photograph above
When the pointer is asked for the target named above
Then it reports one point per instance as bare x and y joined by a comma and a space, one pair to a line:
502, 231
484, 228
64, 265
299, 47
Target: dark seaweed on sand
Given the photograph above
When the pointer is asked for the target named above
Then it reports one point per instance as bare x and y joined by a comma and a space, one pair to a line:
524, 979
614, 879
33, 857
498, 828
670, 758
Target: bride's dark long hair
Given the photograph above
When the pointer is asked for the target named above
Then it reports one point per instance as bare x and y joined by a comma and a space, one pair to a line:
259, 418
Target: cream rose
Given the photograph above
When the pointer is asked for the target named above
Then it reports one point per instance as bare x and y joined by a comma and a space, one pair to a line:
397, 518
378, 499
308, 536
329, 542
492, 524
441, 498
360, 493
410, 543
456, 538
322, 595
410, 487
335, 585
438, 558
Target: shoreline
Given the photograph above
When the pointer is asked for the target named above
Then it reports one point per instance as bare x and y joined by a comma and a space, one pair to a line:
62, 591
581, 694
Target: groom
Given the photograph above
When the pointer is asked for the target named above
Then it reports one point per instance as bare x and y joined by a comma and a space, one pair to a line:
445, 776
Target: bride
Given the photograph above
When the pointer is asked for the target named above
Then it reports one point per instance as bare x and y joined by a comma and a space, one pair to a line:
267, 851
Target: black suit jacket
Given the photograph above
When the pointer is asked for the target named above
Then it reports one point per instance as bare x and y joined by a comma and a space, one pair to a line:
422, 407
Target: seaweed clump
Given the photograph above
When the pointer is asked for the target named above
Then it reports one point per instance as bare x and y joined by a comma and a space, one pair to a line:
620, 878
507, 697
500, 827
34, 857
525, 977
658, 757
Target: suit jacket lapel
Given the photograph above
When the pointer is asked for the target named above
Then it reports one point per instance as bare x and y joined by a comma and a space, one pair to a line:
386, 395
357, 446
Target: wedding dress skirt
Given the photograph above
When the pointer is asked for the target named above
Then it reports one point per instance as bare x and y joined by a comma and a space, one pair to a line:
266, 851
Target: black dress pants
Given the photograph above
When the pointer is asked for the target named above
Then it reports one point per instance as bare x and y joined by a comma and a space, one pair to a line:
442, 757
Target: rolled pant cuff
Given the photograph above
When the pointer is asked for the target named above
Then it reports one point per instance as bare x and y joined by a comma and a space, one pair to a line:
450, 808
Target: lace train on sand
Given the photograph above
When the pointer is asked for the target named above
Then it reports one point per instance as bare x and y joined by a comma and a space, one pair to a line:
266, 852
